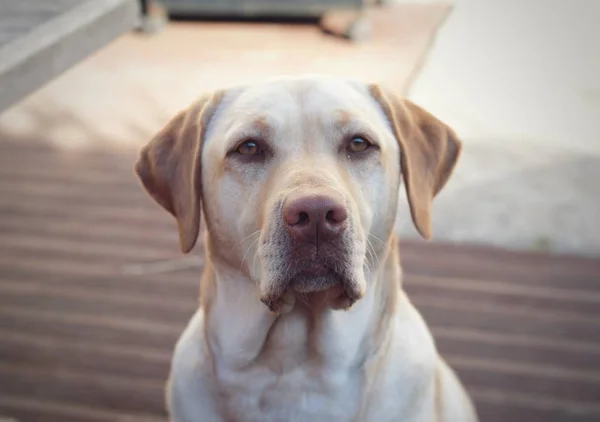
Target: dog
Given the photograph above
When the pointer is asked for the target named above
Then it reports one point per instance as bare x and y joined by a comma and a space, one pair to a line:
302, 315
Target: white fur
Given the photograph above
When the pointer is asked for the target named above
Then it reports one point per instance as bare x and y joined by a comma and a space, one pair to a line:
236, 361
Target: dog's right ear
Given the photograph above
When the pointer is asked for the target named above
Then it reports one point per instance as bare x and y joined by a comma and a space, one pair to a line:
169, 167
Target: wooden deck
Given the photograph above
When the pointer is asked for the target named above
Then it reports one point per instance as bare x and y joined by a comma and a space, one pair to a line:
83, 338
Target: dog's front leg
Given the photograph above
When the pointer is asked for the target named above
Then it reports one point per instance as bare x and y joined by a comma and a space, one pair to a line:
188, 393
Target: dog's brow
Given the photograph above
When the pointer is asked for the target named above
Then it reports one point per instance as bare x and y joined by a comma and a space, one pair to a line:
342, 117
345, 121
261, 124
349, 124
257, 127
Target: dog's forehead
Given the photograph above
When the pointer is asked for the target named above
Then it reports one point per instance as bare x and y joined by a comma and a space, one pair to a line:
309, 92
296, 98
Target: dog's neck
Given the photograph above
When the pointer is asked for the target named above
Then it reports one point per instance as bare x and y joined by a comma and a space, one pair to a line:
240, 331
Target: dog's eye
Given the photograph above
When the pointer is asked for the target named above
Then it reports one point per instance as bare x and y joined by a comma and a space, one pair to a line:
358, 144
248, 148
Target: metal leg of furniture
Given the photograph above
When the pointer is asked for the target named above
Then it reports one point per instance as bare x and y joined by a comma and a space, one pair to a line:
359, 29
154, 16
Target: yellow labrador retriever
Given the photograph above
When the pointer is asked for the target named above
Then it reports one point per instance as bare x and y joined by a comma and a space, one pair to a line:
303, 316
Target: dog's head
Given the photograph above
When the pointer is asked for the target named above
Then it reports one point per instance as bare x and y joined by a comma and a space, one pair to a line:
298, 179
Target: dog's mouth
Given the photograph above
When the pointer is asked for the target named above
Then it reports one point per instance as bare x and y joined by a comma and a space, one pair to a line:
314, 282
315, 277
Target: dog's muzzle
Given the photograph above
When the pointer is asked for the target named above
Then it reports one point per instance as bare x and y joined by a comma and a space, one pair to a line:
314, 230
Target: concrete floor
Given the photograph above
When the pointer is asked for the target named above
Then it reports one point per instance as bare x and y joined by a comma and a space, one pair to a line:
519, 80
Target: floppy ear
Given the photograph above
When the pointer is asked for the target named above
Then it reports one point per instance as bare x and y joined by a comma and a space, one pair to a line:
169, 167
429, 150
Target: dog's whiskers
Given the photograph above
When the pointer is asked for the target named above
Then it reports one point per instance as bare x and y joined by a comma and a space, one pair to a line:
373, 259
303, 298
246, 238
248, 250
254, 269
376, 238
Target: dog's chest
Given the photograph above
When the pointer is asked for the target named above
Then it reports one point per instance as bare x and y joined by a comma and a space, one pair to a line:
304, 392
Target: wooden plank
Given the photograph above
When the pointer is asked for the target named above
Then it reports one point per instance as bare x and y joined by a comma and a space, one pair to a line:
26, 409
83, 339
40, 39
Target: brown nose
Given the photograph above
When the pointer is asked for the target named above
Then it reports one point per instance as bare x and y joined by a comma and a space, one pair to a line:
314, 218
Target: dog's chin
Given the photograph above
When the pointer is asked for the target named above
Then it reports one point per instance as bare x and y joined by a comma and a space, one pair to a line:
315, 279
316, 288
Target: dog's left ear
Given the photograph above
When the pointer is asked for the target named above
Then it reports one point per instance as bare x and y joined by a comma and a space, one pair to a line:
429, 150
169, 167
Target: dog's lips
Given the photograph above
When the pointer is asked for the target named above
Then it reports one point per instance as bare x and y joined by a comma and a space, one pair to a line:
316, 284
315, 277
315, 269
307, 273
339, 292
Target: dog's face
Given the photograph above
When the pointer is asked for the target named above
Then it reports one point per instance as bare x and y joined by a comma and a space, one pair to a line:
299, 180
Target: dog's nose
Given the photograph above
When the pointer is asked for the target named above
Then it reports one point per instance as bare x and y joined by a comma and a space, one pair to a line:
314, 218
